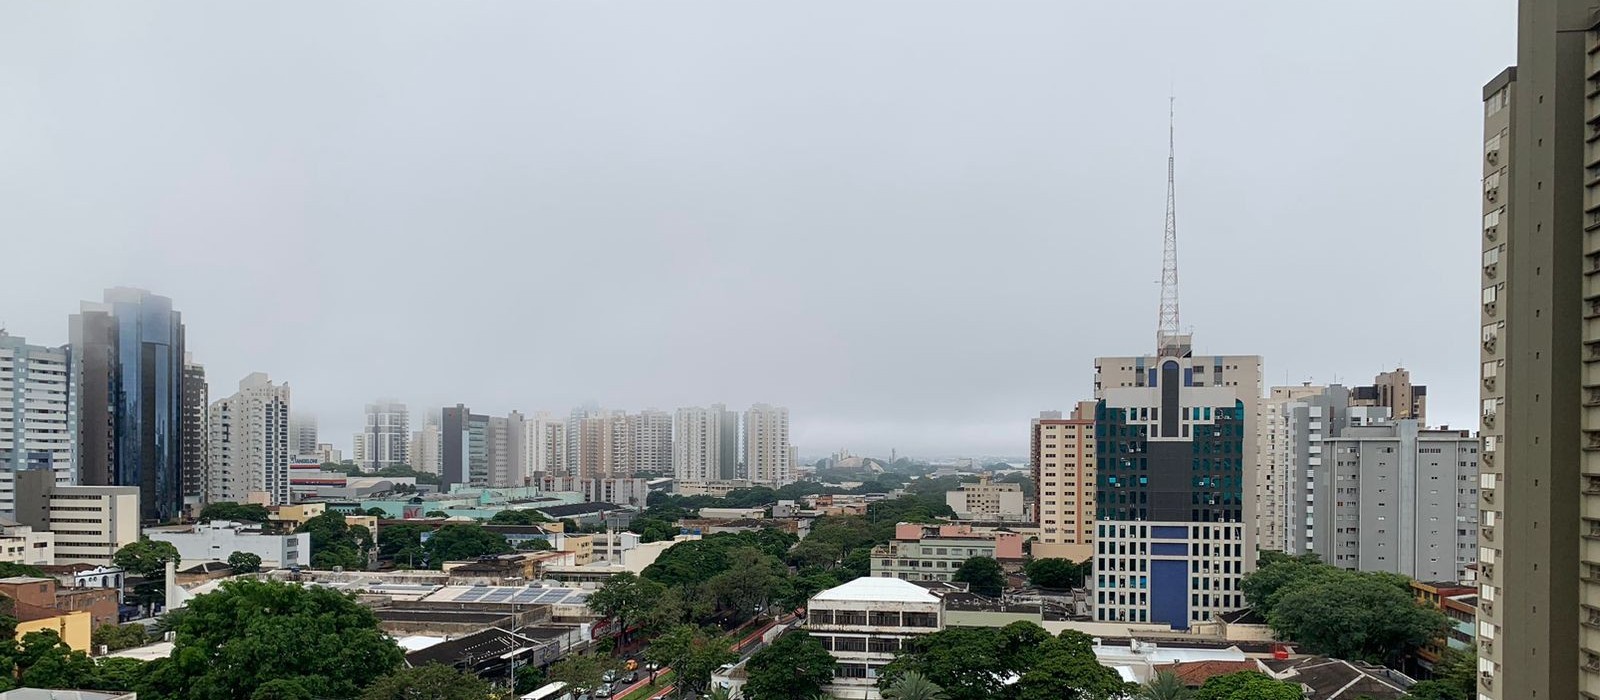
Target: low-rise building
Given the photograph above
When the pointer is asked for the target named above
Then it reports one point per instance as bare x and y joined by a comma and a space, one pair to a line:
218, 539
988, 501
622, 491
1457, 602
87, 576
90, 523
732, 513
864, 623
21, 544
935, 552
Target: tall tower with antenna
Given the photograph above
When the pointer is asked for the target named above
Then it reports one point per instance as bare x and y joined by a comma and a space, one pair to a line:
1169, 340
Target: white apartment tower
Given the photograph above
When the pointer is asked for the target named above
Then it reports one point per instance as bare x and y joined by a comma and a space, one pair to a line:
303, 435
249, 444
387, 436
546, 444
1274, 470
36, 418
697, 444
766, 445
425, 454
650, 439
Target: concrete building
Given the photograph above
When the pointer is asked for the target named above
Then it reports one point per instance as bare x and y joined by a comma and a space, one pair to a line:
864, 623
650, 439
1310, 422
21, 544
1062, 455
988, 501
1539, 562
1175, 532
425, 449
464, 453
36, 417
218, 539
1274, 469
597, 444
328, 454
127, 394
196, 436
1398, 498
302, 435
697, 445
250, 450
90, 523
766, 445
934, 552
728, 466
1394, 391
506, 451
626, 492
386, 437
547, 445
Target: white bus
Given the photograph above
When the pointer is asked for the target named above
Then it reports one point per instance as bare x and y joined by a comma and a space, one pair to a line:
553, 691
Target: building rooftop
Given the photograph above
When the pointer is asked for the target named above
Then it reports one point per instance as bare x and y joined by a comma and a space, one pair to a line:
1336, 679
878, 589
489, 643
569, 510
1196, 673
23, 580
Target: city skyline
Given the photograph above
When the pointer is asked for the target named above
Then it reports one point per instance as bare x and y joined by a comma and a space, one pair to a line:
853, 243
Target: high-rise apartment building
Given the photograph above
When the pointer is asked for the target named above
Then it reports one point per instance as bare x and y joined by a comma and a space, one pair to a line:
1393, 496
1311, 421
250, 444
1539, 481
36, 418
766, 445
1061, 452
728, 466
196, 435
387, 436
650, 439
617, 450
1394, 391
302, 434
506, 451
547, 445
697, 442
127, 394
425, 449
589, 444
1275, 470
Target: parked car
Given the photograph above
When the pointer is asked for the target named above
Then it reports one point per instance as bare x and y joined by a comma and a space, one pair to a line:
610, 676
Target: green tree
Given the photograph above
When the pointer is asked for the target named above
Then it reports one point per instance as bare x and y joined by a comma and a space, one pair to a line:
1352, 615
581, 670
47, 662
377, 512
706, 654
437, 514
1455, 676
402, 544
430, 682
283, 689
458, 542
812, 552
8, 569
117, 673
1056, 573
244, 563
626, 599
653, 530
753, 580
147, 558
233, 641
118, 637
518, 517
1247, 685
794, 664
914, 686
1274, 571
983, 574
1165, 686
236, 512
334, 543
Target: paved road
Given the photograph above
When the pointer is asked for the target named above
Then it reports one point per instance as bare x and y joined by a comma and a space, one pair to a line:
746, 647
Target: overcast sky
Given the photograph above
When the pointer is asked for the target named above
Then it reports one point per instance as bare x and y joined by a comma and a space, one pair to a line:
914, 223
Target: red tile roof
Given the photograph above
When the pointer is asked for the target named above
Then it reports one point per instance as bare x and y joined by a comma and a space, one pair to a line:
1195, 673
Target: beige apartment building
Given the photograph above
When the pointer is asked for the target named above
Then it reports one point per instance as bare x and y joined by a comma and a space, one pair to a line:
989, 501
90, 523
1274, 482
1539, 465
1062, 453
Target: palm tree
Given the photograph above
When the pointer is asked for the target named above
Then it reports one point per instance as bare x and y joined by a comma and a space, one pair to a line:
914, 686
1165, 686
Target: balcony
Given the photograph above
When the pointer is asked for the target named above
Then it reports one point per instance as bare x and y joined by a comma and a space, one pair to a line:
1489, 382
1486, 533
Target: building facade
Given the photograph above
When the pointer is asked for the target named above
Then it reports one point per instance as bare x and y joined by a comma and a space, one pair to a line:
464, 448
506, 451
935, 552
766, 445
36, 418
1394, 391
1276, 470
249, 443
302, 434
1312, 421
1539, 561
127, 394
1175, 532
425, 449
217, 540
547, 445
1395, 497
650, 438
386, 437
697, 445
1062, 454
865, 623
90, 523
989, 501
196, 436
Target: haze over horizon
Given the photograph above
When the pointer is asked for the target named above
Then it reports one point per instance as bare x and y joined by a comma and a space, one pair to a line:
915, 229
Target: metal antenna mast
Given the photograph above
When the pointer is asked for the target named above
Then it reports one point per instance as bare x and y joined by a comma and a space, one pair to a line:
1167, 330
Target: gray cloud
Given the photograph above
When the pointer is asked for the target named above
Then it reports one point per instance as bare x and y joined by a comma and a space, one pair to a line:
913, 223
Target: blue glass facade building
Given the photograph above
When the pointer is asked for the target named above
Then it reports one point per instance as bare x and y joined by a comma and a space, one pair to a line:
128, 367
